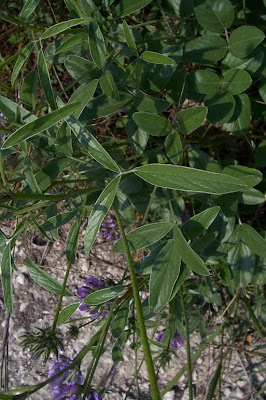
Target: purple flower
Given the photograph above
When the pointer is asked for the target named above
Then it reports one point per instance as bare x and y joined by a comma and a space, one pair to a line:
176, 342
109, 229
69, 385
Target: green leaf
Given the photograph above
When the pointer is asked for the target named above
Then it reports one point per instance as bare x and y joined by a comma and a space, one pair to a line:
152, 124
137, 137
221, 107
242, 263
72, 242
262, 88
103, 295
126, 7
28, 8
250, 63
201, 160
165, 271
144, 236
30, 177
236, 81
64, 140
244, 40
254, 240
39, 125
196, 225
43, 279
70, 43
49, 172
6, 277
108, 85
214, 15
83, 95
239, 123
42, 231
188, 179
156, 58
66, 313
81, 69
184, 273
11, 110
173, 148
58, 220
45, 80
191, 118
97, 45
89, 142
103, 105
120, 320
207, 49
28, 94
21, 61
62, 26
129, 38
100, 209
203, 81
260, 154
146, 103
188, 255
249, 176
251, 197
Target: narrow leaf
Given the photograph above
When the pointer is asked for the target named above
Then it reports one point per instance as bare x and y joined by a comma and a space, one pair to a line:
126, 7
39, 125
97, 45
29, 88
21, 61
104, 295
188, 179
100, 209
6, 277
83, 95
45, 80
108, 85
72, 242
43, 279
249, 176
30, 177
66, 313
165, 271
58, 220
196, 225
28, 8
144, 236
156, 58
62, 26
64, 140
129, 38
188, 255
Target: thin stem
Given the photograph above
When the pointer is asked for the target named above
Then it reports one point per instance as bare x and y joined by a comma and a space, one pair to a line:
140, 317
189, 362
253, 317
69, 264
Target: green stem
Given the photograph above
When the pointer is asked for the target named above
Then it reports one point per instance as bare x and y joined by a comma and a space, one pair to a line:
189, 362
98, 353
69, 264
142, 329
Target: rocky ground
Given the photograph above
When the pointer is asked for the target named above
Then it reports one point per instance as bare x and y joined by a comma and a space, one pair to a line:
34, 307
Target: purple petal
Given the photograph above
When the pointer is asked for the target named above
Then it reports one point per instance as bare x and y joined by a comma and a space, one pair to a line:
83, 292
159, 336
84, 307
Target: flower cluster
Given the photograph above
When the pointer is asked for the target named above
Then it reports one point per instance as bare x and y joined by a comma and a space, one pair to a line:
68, 386
109, 229
91, 285
176, 342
